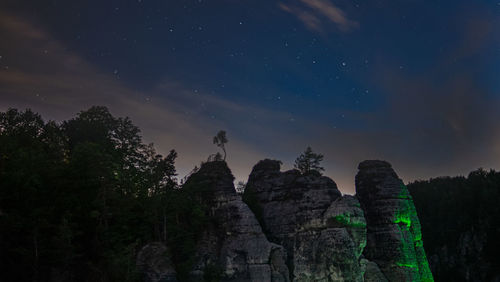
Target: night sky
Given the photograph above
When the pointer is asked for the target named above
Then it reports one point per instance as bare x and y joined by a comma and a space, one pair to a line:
416, 83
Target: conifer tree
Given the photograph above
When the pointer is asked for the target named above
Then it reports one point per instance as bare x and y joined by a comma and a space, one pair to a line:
309, 162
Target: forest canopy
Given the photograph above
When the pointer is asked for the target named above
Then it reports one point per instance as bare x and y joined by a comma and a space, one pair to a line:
78, 198
460, 219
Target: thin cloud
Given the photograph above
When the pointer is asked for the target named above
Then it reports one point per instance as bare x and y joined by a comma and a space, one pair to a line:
319, 15
438, 122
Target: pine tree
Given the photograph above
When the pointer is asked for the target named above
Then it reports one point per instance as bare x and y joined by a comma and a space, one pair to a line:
309, 162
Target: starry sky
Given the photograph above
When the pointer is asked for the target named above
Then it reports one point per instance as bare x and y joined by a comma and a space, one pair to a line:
416, 83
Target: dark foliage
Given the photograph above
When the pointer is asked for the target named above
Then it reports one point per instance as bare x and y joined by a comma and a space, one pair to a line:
78, 199
309, 162
213, 273
462, 216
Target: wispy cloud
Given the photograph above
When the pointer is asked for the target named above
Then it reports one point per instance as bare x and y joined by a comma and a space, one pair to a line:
320, 15
438, 122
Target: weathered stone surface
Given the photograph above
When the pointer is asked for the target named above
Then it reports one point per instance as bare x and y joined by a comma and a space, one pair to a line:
311, 232
234, 241
372, 272
288, 199
322, 232
394, 239
154, 263
347, 212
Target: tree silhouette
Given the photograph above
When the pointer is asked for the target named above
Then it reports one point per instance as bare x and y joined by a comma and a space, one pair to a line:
78, 197
309, 162
220, 139
240, 187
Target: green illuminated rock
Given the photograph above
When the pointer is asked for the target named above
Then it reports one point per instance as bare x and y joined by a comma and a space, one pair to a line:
394, 238
302, 229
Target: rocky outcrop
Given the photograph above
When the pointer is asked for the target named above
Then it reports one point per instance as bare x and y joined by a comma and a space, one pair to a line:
372, 272
233, 246
153, 261
296, 227
322, 232
394, 238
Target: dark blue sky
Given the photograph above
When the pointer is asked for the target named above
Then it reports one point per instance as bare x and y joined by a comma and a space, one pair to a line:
413, 82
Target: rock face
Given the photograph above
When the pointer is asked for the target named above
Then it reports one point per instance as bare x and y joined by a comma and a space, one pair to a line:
394, 238
323, 233
233, 247
295, 227
154, 262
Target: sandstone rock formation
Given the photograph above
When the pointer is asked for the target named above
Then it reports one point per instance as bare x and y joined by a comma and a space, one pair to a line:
394, 239
233, 244
295, 227
322, 232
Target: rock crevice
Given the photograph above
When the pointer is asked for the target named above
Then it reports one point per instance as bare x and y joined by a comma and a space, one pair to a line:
233, 241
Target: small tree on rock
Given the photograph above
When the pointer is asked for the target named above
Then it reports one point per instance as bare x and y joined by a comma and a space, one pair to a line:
220, 139
309, 162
